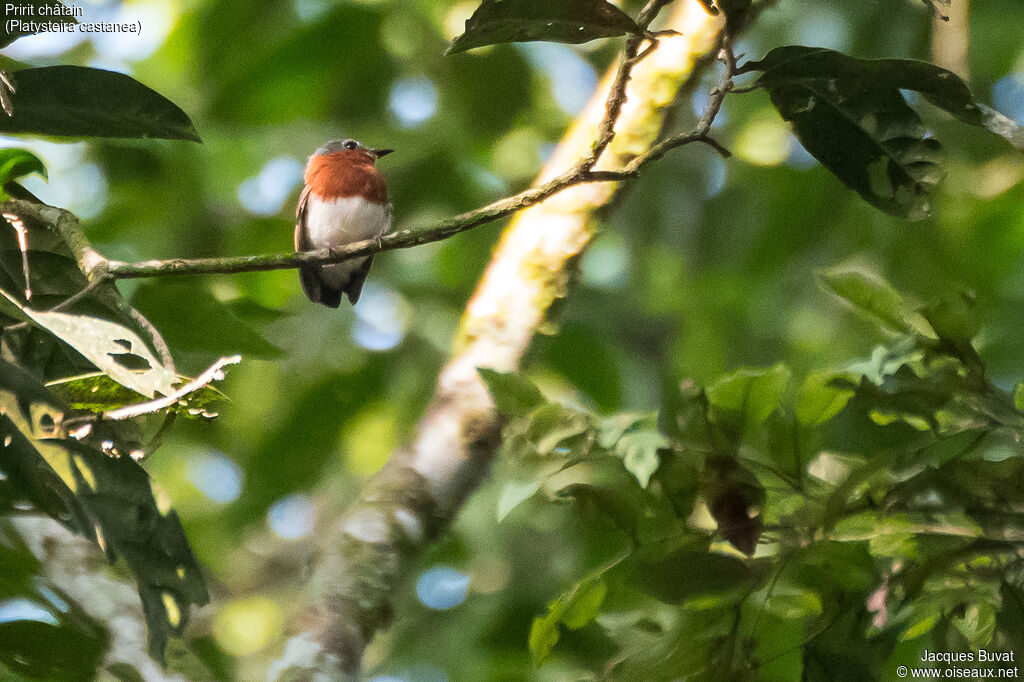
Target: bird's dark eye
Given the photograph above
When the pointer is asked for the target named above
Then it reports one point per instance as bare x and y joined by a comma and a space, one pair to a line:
350, 144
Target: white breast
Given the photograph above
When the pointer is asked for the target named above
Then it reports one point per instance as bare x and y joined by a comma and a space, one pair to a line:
341, 221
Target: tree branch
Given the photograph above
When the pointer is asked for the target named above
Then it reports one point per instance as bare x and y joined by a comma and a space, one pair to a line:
580, 171
418, 492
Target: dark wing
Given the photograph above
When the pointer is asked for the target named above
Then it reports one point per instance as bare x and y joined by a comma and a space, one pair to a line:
309, 276
354, 286
302, 242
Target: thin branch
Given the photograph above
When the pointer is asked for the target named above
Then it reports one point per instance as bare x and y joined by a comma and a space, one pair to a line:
632, 55
214, 372
582, 172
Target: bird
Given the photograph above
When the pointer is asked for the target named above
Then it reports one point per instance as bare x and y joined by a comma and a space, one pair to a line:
344, 200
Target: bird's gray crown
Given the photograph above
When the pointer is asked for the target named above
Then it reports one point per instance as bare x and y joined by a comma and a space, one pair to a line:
335, 146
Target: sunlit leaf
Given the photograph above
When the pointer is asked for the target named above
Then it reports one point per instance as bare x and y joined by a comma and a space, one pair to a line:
106, 496
639, 452
871, 294
17, 163
819, 399
99, 393
113, 348
574, 609
514, 494
564, 21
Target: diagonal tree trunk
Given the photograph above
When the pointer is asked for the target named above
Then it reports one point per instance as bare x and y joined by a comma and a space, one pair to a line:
418, 492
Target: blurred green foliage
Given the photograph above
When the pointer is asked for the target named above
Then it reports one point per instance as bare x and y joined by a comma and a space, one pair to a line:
704, 267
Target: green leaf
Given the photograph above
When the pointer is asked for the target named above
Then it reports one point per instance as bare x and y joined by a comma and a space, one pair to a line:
10, 33
790, 603
77, 101
574, 609
639, 453
751, 394
106, 496
554, 429
17, 163
514, 494
563, 21
872, 294
977, 625
954, 319
611, 429
113, 348
54, 279
513, 395
819, 399
921, 626
857, 126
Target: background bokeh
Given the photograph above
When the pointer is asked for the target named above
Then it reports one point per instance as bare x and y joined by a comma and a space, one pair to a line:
705, 265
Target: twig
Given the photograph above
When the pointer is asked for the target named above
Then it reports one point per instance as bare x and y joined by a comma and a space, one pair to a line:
19, 228
212, 373
95, 266
582, 172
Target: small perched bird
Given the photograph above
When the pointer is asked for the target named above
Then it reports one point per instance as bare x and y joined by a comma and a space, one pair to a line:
345, 200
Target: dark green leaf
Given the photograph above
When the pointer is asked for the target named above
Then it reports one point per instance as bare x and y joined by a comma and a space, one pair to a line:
10, 33
606, 485
513, 395
17, 163
76, 101
860, 128
953, 319
563, 21
106, 496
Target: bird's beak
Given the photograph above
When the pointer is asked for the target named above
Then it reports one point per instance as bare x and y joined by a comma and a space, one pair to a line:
377, 153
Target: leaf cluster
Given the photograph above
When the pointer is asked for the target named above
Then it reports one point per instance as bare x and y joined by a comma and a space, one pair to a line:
772, 525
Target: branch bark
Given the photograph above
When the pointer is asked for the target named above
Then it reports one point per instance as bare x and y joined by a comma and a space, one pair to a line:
418, 492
